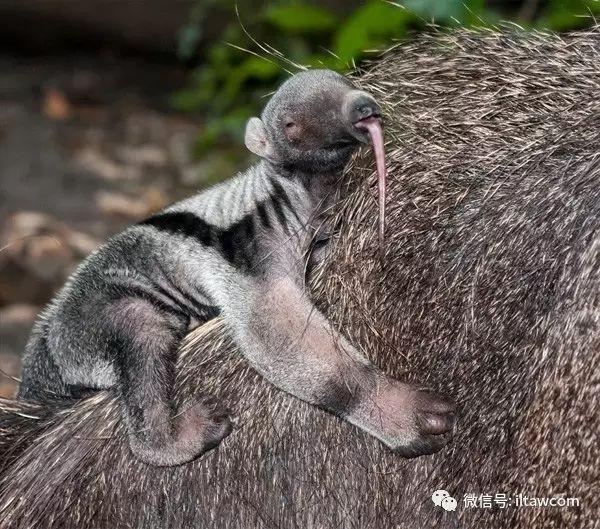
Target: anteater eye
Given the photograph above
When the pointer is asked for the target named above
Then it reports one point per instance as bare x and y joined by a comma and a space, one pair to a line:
289, 124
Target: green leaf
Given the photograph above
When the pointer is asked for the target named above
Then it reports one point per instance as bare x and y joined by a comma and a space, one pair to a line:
259, 68
592, 6
188, 100
562, 16
230, 125
325, 60
370, 25
438, 11
299, 18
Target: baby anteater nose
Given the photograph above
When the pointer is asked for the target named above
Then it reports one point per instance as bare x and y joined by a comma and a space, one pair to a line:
363, 107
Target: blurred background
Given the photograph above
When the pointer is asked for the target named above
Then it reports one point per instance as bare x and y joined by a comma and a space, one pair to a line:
110, 109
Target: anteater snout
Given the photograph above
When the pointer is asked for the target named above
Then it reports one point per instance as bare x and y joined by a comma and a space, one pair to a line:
362, 106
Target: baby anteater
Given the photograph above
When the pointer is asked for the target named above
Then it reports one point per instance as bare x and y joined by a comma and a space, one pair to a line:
491, 290
238, 249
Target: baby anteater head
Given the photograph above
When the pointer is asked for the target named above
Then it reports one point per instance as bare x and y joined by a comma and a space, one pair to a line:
314, 122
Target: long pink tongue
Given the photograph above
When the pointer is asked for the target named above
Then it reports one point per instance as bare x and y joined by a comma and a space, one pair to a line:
373, 127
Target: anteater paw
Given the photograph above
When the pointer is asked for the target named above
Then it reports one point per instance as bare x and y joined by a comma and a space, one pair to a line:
204, 426
434, 421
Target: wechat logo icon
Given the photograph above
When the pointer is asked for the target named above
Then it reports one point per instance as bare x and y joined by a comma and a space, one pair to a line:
443, 499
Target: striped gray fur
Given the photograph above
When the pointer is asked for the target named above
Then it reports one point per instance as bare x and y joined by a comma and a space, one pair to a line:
240, 250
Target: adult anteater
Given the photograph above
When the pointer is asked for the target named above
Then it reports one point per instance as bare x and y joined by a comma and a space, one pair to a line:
490, 292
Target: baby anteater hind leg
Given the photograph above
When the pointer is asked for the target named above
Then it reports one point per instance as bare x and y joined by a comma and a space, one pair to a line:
147, 342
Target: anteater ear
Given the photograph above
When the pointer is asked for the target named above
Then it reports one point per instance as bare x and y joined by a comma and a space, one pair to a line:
256, 138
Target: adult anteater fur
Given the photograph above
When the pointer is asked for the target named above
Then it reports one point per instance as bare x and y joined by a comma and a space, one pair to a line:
490, 291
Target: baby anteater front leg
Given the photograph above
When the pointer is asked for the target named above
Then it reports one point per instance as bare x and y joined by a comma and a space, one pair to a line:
159, 434
293, 345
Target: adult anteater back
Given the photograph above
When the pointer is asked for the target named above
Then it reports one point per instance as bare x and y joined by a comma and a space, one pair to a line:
490, 292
